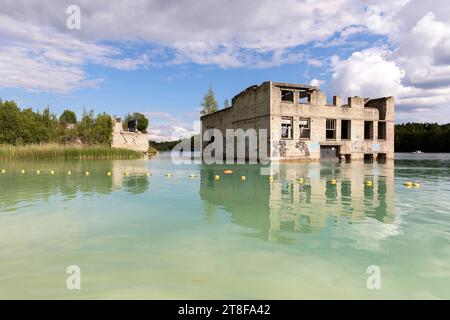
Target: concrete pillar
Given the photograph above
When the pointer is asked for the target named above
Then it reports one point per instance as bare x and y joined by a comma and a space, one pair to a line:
337, 101
356, 102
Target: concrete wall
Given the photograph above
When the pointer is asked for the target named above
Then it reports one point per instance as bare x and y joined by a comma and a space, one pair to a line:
261, 107
318, 110
128, 140
249, 110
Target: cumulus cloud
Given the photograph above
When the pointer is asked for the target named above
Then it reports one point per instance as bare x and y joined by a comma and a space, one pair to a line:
367, 73
164, 126
415, 69
411, 61
169, 132
253, 33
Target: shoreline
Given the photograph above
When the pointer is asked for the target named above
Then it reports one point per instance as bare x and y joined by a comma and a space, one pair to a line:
66, 152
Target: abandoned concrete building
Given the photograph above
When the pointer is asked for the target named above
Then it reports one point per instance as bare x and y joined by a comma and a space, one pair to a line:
131, 139
302, 125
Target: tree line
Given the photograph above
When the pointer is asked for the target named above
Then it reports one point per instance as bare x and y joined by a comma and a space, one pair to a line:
426, 137
25, 126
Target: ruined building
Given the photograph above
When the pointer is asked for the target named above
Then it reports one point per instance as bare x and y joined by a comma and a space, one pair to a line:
302, 125
133, 140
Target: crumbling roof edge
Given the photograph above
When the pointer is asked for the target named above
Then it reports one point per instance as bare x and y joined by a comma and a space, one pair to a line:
210, 114
295, 86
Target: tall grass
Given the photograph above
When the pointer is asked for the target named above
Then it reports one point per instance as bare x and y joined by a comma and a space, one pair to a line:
64, 152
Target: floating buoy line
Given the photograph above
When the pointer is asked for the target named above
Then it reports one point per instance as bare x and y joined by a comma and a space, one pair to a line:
333, 181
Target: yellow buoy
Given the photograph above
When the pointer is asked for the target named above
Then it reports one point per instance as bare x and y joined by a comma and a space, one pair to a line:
52, 172
243, 178
270, 178
333, 181
369, 183
109, 173
408, 184
228, 171
68, 172
23, 171
38, 171
168, 175
192, 176
3, 171
126, 173
216, 177
300, 180
86, 173
416, 184
148, 174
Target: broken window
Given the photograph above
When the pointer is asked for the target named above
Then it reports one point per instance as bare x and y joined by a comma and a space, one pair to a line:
331, 129
382, 130
287, 95
305, 128
346, 130
368, 130
304, 97
286, 128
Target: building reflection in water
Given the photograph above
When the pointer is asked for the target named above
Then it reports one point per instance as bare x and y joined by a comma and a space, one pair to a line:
286, 204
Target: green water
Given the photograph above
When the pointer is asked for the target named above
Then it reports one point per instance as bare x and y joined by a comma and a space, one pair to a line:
177, 238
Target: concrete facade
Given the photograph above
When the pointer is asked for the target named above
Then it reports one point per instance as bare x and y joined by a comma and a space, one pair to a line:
122, 139
302, 125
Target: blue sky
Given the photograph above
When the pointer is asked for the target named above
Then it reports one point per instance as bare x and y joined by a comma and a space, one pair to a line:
159, 57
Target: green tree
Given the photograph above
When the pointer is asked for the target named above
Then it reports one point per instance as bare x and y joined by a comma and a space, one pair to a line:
102, 129
68, 117
142, 121
209, 103
11, 128
51, 123
34, 129
27, 126
85, 127
427, 137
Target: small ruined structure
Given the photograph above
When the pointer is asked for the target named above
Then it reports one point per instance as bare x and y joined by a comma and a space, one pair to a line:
133, 140
302, 125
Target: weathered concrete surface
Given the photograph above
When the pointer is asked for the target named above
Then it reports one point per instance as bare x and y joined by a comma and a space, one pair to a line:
136, 141
261, 107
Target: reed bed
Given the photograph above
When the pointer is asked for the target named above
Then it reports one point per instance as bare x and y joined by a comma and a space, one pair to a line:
64, 152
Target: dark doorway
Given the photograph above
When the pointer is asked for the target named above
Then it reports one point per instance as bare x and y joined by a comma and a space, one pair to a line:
368, 157
329, 153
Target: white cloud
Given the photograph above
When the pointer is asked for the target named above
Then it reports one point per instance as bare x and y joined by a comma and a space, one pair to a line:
38, 52
170, 133
39, 58
253, 33
20, 68
416, 70
316, 82
164, 126
368, 73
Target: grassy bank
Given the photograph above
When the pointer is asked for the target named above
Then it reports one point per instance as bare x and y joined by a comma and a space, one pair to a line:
152, 151
64, 152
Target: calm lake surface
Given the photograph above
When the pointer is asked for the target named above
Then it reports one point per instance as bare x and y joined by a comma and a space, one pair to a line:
178, 237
